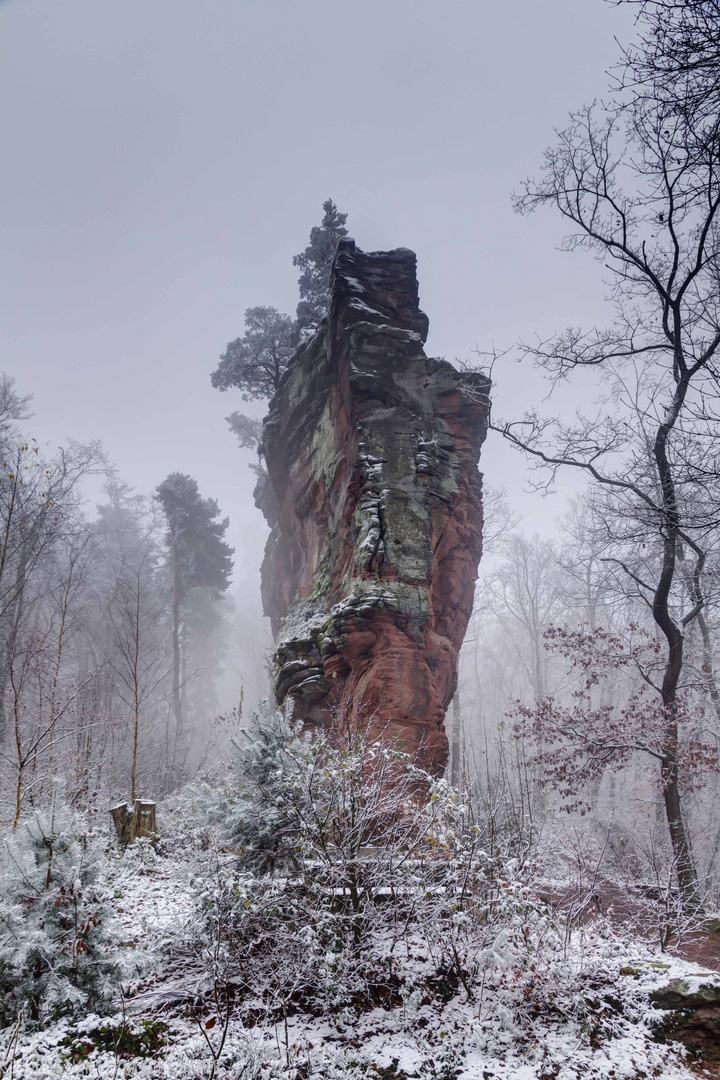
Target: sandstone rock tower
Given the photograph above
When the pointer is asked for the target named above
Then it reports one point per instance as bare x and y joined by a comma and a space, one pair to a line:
374, 500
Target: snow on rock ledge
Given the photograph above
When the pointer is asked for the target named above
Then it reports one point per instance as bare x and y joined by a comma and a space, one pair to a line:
374, 499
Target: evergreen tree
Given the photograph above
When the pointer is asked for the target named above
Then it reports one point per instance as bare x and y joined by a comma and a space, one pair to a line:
255, 362
247, 429
258, 819
199, 560
58, 949
315, 263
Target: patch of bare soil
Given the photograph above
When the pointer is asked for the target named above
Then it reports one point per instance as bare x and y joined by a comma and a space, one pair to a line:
692, 1019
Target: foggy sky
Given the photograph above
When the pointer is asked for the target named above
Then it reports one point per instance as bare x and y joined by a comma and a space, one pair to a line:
164, 160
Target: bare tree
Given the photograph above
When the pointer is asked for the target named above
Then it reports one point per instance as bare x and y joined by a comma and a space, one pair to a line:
677, 56
527, 598
38, 507
135, 643
639, 185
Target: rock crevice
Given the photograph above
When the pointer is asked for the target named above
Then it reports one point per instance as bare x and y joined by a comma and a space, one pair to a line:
374, 499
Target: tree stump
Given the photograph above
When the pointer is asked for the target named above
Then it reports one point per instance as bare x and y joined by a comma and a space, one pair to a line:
132, 821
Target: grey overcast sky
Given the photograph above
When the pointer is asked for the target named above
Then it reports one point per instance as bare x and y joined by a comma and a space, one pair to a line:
164, 159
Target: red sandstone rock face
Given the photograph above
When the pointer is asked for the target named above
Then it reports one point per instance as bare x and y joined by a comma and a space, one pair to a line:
374, 498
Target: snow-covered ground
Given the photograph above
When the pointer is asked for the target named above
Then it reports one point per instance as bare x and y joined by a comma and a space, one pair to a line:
585, 1015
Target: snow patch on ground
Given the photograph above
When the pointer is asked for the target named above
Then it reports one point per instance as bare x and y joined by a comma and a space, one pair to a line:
459, 1039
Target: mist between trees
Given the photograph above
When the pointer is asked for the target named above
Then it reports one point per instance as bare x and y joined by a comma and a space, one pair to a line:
112, 626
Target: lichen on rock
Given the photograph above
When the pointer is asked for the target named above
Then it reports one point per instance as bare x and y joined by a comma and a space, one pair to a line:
374, 498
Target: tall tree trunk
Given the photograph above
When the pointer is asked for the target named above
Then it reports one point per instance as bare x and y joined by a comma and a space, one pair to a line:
537, 660
20, 763
3, 691
176, 698
136, 729
708, 667
679, 838
13, 617
455, 741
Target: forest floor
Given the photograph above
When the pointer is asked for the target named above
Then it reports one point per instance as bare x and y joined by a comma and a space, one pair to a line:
633, 915
170, 1027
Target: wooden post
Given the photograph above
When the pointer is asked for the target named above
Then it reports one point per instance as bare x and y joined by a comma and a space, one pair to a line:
144, 816
133, 821
121, 816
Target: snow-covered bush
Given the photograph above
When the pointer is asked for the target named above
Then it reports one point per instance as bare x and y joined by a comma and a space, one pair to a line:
360, 877
58, 949
141, 857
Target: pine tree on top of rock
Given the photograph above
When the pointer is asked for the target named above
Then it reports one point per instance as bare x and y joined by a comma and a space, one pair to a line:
256, 362
315, 263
